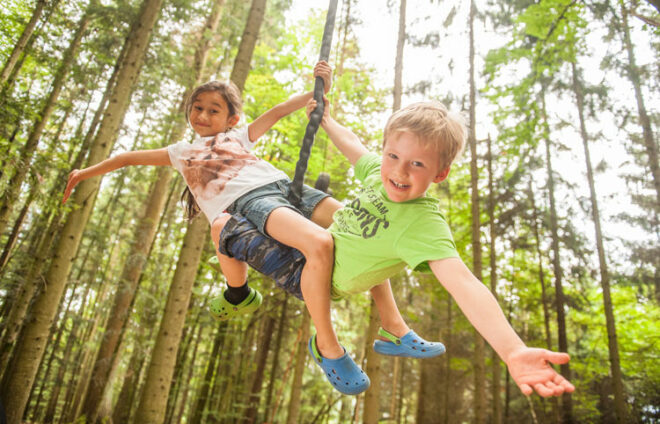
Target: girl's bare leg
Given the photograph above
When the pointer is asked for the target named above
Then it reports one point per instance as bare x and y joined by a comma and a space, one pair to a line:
235, 271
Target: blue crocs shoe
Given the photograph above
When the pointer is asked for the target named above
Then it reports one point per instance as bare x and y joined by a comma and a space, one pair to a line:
342, 372
410, 345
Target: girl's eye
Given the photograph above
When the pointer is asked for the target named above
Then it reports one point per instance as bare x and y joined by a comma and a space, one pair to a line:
392, 156
418, 164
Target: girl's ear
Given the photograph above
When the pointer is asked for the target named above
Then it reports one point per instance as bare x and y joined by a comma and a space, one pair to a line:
233, 120
442, 175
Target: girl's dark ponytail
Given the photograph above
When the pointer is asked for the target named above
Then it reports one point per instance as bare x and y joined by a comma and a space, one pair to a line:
191, 208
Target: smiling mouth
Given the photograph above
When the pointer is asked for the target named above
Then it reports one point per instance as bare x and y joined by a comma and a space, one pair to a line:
399, 186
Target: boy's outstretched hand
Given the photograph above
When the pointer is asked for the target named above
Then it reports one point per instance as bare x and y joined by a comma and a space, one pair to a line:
323, 70
531, 370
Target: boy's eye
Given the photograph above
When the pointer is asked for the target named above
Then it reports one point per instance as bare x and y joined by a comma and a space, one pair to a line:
418, 164
392, 156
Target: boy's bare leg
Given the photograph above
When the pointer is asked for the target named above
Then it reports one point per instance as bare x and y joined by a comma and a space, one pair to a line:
316, 244
390, 317
235, 271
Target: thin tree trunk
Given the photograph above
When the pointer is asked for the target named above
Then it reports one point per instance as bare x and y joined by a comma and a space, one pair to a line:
14, 186
567, 402
293, 414
479, 344
398, 64
241, 67
615, 361
276, 354
18, 382
19, 48
496, 367
544, 292
254, 395
374, 370
650, 144
202, 398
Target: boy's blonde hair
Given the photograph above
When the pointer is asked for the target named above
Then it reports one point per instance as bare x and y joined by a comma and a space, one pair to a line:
434, 125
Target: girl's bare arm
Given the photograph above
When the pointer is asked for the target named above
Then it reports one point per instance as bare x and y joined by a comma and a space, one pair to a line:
269, 118
158, 157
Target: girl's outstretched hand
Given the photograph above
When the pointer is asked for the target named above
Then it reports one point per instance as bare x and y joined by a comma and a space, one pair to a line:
323, 70
74, 179
531, 370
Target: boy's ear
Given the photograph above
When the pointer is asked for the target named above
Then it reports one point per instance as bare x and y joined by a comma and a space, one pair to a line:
442, 175
233, 120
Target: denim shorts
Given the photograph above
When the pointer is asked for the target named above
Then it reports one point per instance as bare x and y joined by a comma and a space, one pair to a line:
256, 205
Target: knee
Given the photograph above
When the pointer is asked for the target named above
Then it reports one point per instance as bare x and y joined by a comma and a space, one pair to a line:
320, 245
218, 225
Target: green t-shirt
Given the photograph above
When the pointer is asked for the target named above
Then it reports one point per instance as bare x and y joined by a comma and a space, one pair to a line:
376, 238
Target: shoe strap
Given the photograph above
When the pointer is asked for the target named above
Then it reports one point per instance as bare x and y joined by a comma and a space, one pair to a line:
315, 350
389, 336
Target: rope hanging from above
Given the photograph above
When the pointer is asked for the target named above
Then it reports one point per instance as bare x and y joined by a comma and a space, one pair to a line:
295, 193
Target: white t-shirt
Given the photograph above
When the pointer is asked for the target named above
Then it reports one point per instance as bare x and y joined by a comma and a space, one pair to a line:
220, 169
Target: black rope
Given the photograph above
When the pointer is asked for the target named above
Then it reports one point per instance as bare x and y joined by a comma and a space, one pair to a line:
295, 193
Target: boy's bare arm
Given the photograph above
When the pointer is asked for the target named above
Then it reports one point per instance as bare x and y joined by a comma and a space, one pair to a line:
269, 118
158, 157
346, 141
528, 366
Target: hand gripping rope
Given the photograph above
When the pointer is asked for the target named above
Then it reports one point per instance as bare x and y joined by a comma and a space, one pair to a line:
295, 193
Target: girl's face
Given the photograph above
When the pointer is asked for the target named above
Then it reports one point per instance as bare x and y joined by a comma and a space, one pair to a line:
209, 114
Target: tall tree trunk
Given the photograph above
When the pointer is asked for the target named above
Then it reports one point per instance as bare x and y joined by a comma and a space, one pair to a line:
16, 229
633, 74
293, 413
479, 344
14, 186
241, 67
276, 354
398, 64
202, 398
18, 382
125, 293
22, 41
560, 301
496, 367
544, 291
374, 370
153, 401
254, 395
615, 362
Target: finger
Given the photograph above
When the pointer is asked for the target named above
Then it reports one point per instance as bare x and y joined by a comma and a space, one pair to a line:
542, 390
565, 384
556, 357
526, 389
556, 389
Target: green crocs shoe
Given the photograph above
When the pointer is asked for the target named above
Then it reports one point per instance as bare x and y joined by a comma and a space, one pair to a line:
222, 310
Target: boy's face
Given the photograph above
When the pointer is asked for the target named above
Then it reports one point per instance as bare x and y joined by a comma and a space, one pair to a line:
409, 167
209, 114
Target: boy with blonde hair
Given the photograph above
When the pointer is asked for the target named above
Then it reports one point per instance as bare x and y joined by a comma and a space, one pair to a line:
393, 224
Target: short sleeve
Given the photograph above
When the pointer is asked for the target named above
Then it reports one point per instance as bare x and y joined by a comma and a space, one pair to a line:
241, 134
427, 239
366, 166
176, 151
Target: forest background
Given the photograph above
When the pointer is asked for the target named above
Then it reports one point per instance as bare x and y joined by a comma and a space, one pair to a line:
554, 205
